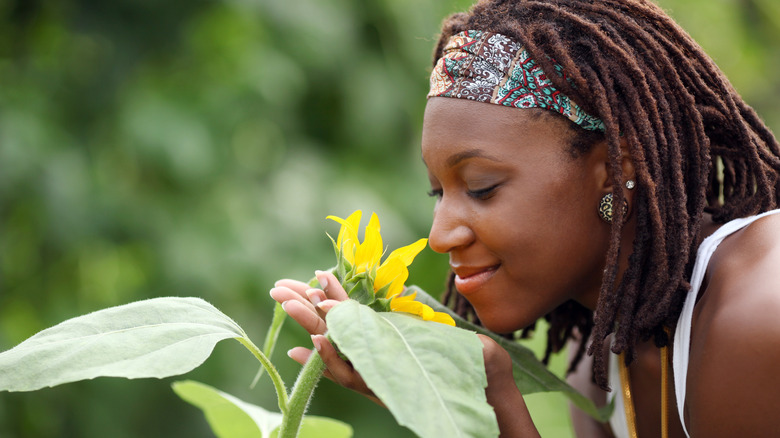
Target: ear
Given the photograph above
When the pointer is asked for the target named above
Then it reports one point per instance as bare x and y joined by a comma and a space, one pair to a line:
627, 172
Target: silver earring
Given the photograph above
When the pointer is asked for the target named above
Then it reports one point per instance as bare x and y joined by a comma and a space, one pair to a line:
630, 184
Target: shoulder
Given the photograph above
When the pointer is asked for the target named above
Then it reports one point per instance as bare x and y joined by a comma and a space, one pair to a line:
733, 379
743, 272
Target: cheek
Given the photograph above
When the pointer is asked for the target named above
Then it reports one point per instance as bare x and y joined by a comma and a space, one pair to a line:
552, 246
543, 218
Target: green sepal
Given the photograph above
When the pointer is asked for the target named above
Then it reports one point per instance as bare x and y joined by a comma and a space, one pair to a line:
338, 270
343, 267
372, 275
382, 293
381, 305
368, 284
335, 246
358, 292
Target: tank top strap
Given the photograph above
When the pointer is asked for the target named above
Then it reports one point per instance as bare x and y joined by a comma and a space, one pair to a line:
682, 334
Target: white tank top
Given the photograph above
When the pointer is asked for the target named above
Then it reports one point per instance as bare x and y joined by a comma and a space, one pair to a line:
682, 334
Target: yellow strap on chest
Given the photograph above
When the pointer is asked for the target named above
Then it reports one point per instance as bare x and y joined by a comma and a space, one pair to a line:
628, 402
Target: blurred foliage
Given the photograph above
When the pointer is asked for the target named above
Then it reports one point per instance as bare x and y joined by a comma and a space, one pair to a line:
194, 148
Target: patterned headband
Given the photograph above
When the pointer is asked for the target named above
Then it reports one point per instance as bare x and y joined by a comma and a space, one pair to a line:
490, 67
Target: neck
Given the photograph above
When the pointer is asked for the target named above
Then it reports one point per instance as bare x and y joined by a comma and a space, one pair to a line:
590, 301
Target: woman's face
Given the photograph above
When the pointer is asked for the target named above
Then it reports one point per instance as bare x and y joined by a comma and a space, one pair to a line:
515, 211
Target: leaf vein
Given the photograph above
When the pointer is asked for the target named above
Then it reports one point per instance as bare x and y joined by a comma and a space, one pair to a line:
427, 377
112, 332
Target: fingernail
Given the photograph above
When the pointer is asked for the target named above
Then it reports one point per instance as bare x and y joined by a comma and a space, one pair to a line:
289, 353
326, 306
315, 339
322, 278
313, 296
283, 306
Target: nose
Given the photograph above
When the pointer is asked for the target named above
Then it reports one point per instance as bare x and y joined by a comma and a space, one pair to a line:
450, 230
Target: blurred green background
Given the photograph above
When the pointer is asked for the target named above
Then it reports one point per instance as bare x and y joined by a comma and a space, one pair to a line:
194, 148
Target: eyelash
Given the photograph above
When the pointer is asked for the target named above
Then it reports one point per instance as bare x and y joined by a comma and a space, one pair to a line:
481, 194
436, 193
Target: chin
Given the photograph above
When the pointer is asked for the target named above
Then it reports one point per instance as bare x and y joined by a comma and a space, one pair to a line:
502, 325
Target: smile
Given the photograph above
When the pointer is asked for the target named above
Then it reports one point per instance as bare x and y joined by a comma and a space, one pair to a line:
468, 281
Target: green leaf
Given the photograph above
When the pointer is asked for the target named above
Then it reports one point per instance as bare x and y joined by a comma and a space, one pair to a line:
230, 417
323, 427
159, 337
431, 376
530, 374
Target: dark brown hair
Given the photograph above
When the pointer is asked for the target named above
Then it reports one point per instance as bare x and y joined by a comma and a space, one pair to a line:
697, 147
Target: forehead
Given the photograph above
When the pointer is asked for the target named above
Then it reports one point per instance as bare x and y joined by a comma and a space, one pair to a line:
453, 125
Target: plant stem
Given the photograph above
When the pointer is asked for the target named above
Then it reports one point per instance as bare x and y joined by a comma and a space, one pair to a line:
273, 333
281, 391
301, 394
270, 338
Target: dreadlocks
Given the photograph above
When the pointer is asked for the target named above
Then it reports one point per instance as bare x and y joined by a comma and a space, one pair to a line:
697, 147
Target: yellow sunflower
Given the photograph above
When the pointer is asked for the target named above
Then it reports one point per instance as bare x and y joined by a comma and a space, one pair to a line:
359, 267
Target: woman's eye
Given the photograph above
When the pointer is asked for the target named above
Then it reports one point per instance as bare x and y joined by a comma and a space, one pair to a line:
483, 194
436, 193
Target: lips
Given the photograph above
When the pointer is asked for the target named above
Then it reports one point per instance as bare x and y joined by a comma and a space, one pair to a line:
470, 279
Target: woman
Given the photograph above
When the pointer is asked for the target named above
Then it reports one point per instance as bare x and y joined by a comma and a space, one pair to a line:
582, 152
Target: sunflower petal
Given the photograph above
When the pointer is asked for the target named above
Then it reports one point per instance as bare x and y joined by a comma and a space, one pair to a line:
426, 312
369, 252
405, 304
349, 227
443, 318
409, 252
392, 272
347, 241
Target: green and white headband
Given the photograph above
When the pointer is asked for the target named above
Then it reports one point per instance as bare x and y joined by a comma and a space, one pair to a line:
490, 67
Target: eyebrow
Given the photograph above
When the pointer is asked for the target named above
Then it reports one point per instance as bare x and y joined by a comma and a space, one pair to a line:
454, 160
465, 155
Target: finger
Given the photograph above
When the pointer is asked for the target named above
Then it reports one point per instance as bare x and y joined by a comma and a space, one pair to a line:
326, 305
305, 316
283, 294
496, 358
302, 354
331, 285
316, 296
342, 372
295, 285
299, 354
339, 369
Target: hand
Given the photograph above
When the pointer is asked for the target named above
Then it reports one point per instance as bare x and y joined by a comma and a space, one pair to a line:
514, 420
498, 364
308, 307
